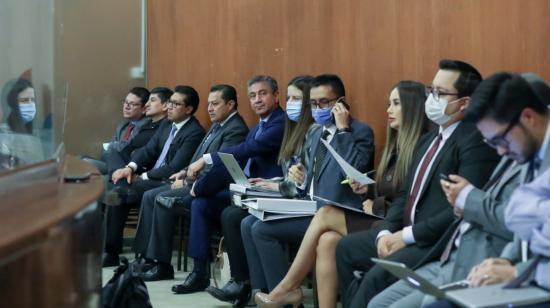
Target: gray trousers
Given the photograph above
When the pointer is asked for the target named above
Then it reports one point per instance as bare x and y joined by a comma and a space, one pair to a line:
402, 294
264, 247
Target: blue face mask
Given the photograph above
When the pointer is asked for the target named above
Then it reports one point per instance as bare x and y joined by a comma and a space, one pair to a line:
322, 116
28, 111
293, 109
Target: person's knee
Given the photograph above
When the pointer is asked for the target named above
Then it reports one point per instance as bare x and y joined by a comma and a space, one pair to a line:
344, 249
261, 230
327, 242
246, 226
323, 215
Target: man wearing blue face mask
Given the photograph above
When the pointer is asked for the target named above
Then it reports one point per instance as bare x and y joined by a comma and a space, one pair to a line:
353, 140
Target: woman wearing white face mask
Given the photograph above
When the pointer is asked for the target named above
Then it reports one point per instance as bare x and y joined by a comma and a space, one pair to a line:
22, 102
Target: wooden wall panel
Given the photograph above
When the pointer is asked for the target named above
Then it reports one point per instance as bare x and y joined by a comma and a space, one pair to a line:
371, 44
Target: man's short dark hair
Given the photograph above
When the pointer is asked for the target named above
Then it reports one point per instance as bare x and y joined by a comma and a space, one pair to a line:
228, 92
502, 97
142, 93
331, 80
191, 96
469, 77
263, 78
163, 93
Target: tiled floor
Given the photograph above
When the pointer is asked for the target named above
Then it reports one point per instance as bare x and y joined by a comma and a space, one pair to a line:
162, 296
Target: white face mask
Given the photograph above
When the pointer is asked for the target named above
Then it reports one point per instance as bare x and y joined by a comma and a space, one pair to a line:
435, 110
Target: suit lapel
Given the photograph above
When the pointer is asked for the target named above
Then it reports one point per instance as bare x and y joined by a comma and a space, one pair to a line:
316, 137
448, 143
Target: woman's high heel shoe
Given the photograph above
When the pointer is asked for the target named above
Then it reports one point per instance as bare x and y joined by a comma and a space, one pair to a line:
293, 298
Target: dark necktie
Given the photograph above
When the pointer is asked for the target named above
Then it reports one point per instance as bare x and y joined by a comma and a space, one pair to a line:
212, 133
493, 181
519, 280
320, 155
418, 180
128, 132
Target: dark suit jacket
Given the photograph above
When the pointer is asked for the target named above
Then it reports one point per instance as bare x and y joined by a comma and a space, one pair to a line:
119, 155
356, 147
465, 154
179, 154
263, 152
233, 132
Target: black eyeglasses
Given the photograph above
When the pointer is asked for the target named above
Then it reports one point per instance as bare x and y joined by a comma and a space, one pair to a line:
321, 103
174, 104
131, 104
500, 139
437, 93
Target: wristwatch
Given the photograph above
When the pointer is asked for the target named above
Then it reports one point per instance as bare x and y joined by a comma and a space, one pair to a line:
344, 130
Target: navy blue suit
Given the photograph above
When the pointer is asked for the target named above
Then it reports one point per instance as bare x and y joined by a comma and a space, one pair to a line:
212, 189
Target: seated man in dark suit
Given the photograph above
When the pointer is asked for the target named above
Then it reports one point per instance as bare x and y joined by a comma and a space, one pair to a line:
153, 242
259, 151
420, 214
119, 153
169, 151
511, 111
133, 111
319, 175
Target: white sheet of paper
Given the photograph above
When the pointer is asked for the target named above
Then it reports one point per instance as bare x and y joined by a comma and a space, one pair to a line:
348, 169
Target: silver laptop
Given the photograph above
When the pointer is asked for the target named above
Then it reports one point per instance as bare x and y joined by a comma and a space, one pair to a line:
237, 173
234, 169
416, 281
459, 293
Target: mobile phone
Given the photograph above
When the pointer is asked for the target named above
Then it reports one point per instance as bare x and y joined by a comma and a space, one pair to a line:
445, 177
343, 101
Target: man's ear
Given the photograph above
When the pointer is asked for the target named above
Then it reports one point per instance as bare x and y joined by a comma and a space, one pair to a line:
465, 103
189, 110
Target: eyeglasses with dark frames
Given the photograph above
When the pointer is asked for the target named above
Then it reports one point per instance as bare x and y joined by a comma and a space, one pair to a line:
437, 93
500, 139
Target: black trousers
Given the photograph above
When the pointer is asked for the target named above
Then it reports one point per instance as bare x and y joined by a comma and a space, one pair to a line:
231, 226
116, 216
156, 223
354, 253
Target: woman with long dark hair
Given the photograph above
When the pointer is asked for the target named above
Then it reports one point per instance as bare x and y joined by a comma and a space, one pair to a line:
21, 100
406, 123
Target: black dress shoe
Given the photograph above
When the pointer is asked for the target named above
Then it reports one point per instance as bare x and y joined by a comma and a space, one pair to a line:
160, 271
108, 260
141, 265
236, 293
193, 283
120, 195
170, 202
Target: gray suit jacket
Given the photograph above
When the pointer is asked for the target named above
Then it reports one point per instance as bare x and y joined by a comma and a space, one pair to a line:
233, 132
484, 210
356, 147
512, 251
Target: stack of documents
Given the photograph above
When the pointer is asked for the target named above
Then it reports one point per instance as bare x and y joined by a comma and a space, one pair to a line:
267, 209
239, 192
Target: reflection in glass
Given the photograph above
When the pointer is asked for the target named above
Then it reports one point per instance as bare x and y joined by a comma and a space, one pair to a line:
18, 144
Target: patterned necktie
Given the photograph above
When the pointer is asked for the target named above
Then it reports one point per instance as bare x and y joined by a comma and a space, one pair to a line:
418, 180
128, 131
320, 155
205, 144
160, 161
260, 129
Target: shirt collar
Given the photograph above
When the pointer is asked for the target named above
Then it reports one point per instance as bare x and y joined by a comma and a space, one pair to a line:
182, 123
229, 117
447, 132
331, 129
